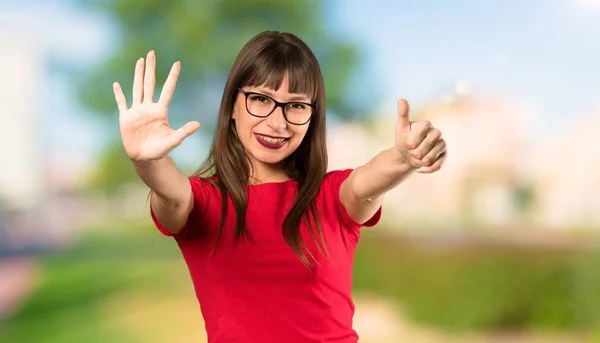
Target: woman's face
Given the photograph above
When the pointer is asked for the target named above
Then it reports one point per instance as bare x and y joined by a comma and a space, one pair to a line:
268, 141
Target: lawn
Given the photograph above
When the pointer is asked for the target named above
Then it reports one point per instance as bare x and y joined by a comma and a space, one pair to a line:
484, 288
114, 284
70, 305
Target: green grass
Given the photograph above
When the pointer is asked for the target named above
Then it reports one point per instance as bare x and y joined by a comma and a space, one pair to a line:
67, 307
485, 288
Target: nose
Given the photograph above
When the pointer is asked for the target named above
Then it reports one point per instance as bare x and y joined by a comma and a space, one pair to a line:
276, 120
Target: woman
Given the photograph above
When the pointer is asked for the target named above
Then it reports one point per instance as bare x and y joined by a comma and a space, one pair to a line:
267, 234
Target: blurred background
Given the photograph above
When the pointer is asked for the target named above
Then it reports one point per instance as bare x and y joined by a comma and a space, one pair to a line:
501, 245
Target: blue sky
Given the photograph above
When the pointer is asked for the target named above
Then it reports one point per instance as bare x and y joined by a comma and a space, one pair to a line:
541, 53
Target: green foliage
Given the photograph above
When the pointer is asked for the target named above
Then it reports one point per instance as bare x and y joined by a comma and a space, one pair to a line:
488, 289
114, 169
205, 36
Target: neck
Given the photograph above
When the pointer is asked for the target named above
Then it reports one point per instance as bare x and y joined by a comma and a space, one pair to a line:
263, 173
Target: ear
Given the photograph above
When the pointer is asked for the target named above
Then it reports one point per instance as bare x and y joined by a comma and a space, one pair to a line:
233, 114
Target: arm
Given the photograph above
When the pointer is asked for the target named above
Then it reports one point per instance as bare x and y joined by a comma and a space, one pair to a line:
148, 138
171, 197
362, 193
418, 147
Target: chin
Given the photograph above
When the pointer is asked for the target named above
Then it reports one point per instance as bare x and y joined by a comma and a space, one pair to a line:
272, 156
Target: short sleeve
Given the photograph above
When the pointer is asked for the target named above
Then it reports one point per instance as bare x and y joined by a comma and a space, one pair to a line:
197, 216
333, 181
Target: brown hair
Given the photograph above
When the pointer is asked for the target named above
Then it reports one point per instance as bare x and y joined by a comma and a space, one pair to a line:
264, 61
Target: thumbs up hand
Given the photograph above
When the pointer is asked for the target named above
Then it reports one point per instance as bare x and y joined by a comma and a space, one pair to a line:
420, 144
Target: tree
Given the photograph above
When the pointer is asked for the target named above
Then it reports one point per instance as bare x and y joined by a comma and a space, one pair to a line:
206, 36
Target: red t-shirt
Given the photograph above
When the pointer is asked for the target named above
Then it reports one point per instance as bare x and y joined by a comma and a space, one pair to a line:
259, 291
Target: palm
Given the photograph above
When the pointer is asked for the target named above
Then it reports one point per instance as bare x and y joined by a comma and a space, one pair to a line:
144, 128
146, 133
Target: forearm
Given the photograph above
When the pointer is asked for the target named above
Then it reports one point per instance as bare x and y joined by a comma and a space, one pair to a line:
168, 184
383, 172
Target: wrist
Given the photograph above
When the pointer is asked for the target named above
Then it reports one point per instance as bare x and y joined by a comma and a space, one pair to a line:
142, 165
401, 160
148, 161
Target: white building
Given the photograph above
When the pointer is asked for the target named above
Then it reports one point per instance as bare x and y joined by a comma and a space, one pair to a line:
567, 173
21, 169
482, 179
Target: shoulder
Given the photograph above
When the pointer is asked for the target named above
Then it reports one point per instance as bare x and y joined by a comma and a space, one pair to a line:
204, 189
335, 178
330, 193
338, 172
332, 182
203, 184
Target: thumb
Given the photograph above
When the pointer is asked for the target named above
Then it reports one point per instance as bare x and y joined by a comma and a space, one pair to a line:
403, 117
186, 130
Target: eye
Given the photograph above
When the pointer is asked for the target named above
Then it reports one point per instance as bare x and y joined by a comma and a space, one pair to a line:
298, 106
258, 98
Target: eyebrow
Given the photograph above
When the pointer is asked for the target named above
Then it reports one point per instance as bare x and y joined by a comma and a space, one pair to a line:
301, 98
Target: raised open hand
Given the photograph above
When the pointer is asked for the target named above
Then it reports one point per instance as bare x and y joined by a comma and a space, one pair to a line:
421, 144
145, 129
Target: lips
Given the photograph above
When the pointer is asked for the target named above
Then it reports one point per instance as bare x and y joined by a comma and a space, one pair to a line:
271, 142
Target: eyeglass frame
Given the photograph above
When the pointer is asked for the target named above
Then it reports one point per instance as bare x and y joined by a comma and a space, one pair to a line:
277, 104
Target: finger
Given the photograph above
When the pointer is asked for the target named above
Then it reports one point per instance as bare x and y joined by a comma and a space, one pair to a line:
434, 153
403, 116
435, 166
185, 131
431, 139
418, 132
120, 98
169, 88
138, 82
150, 77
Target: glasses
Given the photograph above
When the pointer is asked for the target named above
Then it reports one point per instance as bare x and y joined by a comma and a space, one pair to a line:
261, 106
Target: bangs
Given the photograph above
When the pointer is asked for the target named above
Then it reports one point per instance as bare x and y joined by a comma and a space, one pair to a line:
275, 62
